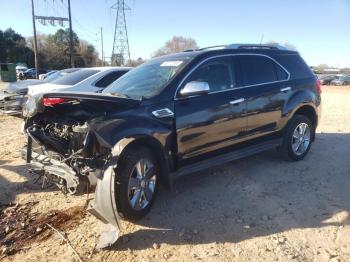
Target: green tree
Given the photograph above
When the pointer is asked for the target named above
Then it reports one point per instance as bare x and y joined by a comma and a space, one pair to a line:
87, 55
57, 49
14, 49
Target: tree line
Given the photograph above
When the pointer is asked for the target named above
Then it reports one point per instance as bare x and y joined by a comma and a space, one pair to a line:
53, 50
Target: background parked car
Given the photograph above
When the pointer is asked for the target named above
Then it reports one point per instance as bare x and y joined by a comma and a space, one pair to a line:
20, 70
43, 76
31, 73
341, 81
14, 96
93, 79
327, 79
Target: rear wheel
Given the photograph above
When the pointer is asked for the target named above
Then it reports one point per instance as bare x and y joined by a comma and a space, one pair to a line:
137, 182
298, 138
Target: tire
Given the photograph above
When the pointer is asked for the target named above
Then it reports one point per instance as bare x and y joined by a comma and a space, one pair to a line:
133, 194
290, 149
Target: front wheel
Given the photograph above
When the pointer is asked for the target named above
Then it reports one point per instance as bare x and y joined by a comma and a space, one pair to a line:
137, 182
298, 138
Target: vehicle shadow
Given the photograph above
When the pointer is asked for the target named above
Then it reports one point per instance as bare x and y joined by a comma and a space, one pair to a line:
257, 196
9, 189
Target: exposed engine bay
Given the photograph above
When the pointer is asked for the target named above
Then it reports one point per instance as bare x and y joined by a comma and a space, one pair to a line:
67, 146
64, 137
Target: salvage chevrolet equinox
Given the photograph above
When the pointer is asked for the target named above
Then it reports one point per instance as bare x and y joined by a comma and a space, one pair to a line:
172, 116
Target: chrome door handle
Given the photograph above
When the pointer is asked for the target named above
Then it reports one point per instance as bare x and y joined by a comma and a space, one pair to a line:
286, 89
237, 101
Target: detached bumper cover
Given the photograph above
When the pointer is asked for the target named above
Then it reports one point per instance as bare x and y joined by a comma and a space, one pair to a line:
105, 209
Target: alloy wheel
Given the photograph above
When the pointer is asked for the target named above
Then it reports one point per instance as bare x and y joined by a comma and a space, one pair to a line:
301, 139
142, 184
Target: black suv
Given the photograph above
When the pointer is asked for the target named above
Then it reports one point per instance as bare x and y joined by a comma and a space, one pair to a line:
173, 116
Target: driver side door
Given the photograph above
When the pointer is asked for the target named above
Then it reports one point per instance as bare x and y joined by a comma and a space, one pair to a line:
206, 124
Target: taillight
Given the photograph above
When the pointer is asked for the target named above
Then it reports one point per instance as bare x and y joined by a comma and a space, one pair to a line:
318, 86
50, 101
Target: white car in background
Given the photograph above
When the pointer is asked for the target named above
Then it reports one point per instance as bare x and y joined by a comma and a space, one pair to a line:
13, 97
93, 79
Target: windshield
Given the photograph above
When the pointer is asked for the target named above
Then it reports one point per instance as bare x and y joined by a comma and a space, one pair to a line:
59, 74
75, 77
149, 79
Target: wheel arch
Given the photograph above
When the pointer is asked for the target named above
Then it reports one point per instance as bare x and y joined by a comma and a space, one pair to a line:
309, 111
162, 155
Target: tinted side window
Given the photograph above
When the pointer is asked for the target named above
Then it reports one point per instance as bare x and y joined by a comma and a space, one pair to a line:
216, 72
257, 70
109, 78
295, 65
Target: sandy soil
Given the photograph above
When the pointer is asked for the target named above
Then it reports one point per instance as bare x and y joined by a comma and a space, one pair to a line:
257, 209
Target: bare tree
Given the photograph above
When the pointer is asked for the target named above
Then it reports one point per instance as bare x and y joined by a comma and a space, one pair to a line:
136, 62
176, 44
287, 45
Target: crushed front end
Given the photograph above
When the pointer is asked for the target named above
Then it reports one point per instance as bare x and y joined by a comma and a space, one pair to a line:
65, 146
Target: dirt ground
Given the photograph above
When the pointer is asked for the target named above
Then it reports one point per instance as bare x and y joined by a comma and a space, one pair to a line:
261, 208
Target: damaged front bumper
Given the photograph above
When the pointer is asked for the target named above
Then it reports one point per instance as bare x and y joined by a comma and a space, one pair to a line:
60, 173
103, 207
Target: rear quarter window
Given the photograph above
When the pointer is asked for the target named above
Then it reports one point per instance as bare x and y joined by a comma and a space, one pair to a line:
295, 65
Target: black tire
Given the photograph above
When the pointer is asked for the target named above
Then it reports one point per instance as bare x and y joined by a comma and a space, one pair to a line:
286, 149
125, 169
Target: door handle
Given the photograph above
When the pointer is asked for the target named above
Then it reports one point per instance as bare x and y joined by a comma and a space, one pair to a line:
237, 101
286, 89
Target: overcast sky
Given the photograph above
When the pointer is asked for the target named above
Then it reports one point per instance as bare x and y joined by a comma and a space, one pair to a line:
319, 29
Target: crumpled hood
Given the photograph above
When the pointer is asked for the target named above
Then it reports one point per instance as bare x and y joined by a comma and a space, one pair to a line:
89, 102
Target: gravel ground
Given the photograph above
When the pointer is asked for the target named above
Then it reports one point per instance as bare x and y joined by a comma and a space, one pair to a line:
261, 208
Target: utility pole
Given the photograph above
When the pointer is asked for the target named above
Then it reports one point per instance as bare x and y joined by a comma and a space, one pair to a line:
71, 56
35, 44
120, 51
102, 54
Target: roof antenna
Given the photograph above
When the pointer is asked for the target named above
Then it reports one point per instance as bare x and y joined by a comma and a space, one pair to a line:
261, 39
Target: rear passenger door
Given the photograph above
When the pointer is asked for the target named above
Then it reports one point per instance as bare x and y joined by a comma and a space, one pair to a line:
267, 90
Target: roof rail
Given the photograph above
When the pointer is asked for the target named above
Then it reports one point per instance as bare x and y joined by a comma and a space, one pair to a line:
212, 47
255, 46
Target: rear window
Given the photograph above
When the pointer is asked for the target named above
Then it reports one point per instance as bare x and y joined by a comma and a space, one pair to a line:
295, 65
258, 70
75, 77
109, 78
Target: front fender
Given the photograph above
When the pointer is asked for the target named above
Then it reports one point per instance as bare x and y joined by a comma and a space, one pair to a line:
110, 132
117, 134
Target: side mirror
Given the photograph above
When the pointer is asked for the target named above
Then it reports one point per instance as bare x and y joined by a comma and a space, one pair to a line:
195, 88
